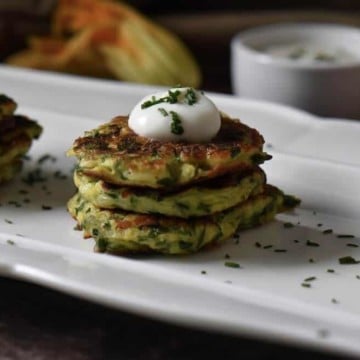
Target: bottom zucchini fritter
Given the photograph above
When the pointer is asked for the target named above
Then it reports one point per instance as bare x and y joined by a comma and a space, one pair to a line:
117, 231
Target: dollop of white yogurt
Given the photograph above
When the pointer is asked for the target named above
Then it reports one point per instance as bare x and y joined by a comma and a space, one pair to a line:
179, 114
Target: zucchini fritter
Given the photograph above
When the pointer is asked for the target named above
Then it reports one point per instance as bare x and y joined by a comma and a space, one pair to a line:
16, 135
199, 200
7, 106
117, 231
115, 154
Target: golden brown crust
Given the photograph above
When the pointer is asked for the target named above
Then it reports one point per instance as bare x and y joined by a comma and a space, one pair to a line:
116, 138
114, 153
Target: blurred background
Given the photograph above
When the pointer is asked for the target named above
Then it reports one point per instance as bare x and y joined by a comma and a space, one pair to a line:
206, 28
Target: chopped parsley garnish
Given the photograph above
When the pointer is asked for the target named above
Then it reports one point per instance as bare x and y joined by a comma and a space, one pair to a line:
307, 285
10, 242
330, 270
334, 301
33, 177
46, 157
311, 243
163, 112
311, 278
280, 250
8, 221
15, 203
352, 245
232, 264
345, 236
267, 247
46, 207
348, 260
203, 272
190, 96
59, 175
288, 225
172, 98
328, 231
258, 245
176, 127
153, 101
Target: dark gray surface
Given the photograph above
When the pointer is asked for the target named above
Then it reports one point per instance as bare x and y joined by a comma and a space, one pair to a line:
37, 323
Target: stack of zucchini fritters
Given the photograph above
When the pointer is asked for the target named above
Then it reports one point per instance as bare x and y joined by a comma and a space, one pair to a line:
141, 195
16, 135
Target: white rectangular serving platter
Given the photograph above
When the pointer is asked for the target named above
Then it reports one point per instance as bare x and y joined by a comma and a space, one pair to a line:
313, 158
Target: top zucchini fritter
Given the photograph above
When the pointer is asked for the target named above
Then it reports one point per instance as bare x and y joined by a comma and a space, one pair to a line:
114, 153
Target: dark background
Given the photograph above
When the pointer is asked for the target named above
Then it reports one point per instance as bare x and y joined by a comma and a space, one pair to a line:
37, 323
205, 26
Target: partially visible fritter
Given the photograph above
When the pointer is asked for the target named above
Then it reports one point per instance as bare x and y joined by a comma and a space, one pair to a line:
115, 154
199, 200
117, 231
7, 106
16, 135
9, 170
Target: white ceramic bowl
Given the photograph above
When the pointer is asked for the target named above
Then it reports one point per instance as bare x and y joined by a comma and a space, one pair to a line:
327, 88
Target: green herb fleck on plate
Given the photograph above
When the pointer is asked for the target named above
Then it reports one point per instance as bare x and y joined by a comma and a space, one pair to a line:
232, 264
327, 231
288, 225
345, 236
312, 243
348, 260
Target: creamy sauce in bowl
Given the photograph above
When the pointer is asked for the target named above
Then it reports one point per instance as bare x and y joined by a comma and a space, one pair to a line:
308, 52
180, 114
